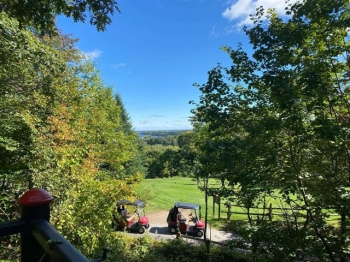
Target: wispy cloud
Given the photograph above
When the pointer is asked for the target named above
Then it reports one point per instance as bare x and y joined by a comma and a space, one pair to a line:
93, 54
119, 65
144, 122
153, 116
214, 32
179, 121
241, 9
157, 116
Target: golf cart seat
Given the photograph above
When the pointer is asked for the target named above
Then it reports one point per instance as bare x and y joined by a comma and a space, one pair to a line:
183, 220
129, 217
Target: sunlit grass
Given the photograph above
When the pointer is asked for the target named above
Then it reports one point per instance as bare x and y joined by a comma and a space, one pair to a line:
161, 194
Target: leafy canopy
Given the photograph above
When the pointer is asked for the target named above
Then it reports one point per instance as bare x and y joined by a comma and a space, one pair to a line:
41, 14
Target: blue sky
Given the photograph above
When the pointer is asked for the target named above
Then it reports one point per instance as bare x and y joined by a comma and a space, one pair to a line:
155, 50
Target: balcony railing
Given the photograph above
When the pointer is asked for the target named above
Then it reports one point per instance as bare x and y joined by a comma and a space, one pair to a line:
40, 241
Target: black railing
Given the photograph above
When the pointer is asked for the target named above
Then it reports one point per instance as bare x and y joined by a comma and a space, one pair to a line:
40, 241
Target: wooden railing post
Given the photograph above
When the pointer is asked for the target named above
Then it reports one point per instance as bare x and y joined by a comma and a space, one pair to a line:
35, 205
270, 212
228, 205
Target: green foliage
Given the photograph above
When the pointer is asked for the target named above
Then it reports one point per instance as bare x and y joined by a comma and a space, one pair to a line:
42, 14
135, 167
170, 156
282, 122
28, 73
126, 248
161, 140
165, 165
126, 124
59, 123
161, 133
188, 153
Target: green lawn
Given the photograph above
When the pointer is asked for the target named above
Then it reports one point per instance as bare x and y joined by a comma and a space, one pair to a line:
161, 194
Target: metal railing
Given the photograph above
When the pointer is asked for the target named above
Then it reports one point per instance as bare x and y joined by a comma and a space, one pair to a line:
40, 241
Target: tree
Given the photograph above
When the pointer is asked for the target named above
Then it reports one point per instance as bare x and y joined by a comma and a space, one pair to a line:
187, 153
59, 122
26, 89
42, 14
134, 168
283, 125
125, 118
163, 161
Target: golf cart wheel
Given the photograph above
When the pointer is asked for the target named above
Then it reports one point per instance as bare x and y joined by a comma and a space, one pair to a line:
200, 233
141, 229
172, 230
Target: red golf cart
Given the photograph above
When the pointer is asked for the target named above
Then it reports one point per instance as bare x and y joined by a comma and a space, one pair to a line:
186, 217
132, 222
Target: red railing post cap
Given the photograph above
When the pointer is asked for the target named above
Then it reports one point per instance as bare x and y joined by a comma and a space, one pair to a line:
35, 197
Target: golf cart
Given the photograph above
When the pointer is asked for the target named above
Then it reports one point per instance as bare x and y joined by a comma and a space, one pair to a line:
186, 217
132, 222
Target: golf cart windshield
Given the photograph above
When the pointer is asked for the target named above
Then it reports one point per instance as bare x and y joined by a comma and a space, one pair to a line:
136, 203
195, 207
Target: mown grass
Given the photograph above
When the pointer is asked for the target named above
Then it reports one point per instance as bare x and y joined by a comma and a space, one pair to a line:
162, 193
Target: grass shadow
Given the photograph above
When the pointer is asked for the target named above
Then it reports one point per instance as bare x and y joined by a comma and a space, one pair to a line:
227, 225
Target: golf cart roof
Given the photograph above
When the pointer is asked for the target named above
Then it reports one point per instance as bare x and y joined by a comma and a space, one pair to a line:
187, 205
137, 203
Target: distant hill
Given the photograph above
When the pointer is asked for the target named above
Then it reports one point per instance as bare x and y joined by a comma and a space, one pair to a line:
161, 133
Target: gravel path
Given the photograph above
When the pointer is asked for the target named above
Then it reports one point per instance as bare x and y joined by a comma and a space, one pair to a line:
159, 230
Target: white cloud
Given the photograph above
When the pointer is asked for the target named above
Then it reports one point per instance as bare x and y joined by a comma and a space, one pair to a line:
119, 65
93, 54
241, 9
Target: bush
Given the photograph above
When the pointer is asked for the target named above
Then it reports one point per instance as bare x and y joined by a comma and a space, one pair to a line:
144, 248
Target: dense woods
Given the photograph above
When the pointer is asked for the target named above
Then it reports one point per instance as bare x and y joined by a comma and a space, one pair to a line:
274, 124
169, 155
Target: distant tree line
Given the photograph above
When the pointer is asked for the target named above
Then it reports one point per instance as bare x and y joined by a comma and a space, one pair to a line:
170, 140
161, 133
169, 156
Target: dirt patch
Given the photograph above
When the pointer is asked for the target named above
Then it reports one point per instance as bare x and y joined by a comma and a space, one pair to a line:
158, 217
